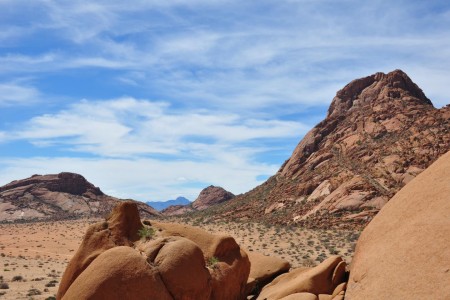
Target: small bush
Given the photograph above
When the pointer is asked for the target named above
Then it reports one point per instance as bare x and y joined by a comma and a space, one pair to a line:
17, 278
146, 233
34, 292
212, 261
4, 286
51, 283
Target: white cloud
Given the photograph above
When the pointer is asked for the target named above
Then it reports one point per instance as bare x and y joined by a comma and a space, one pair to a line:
149, 148
12, 93
144, 179
229, 75
226, 53
127, 127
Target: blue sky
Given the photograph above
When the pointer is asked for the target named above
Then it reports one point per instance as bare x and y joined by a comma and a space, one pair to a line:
155, 99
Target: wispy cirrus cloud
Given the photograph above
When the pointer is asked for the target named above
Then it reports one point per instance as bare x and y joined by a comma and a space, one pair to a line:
128, 126
231, 84
195, 48
15, 93
156, 144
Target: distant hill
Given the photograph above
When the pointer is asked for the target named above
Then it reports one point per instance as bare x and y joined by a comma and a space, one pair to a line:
208, 197
58, 196
165, 204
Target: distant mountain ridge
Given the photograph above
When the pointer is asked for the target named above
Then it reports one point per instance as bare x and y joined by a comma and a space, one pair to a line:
380, 132
160, 205
58, 196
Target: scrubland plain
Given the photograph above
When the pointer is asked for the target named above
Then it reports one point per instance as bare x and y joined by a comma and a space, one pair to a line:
35, 255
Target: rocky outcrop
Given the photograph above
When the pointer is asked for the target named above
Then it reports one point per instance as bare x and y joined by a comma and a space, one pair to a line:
57, 196
120, 229
380, 132
325, 281
208, 197
403, 253
231, 265
129, 277
167, 261
264, 269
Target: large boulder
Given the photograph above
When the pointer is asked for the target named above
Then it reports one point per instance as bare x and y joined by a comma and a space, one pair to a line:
404, 252
231, 266
263, 269
120, 229
321, 281
164, 261
118, 273
182, 267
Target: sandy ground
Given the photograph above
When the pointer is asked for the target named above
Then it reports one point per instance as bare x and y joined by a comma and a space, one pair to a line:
34, 255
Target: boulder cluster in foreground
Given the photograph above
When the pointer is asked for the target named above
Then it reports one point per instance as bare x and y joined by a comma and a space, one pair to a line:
182, 262
402, 254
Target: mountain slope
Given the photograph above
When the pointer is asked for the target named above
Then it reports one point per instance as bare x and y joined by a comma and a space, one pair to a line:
165, 204
57, 196
380, 132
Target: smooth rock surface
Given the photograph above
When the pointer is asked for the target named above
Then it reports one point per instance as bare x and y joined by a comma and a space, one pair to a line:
404, 252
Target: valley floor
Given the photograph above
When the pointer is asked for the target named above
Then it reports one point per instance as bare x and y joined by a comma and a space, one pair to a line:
35, 255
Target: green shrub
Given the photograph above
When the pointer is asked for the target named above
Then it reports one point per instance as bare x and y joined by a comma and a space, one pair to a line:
212, 261
146, 233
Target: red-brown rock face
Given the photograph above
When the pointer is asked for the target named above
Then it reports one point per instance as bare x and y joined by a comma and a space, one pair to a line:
380, 132
170, 261
63, 195
210, 196
403, 253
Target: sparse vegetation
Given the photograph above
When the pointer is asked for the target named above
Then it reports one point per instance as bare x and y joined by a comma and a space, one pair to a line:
17, 278
146, 232
34, 292
211, 262
51, 283
4, 286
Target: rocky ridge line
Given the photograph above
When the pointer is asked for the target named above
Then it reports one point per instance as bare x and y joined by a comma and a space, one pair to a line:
57, 196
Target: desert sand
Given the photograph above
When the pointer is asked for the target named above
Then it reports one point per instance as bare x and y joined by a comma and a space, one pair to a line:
34, 255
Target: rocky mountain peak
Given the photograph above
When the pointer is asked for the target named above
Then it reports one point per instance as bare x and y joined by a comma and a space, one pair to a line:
374, 89
380, 132
211, 195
